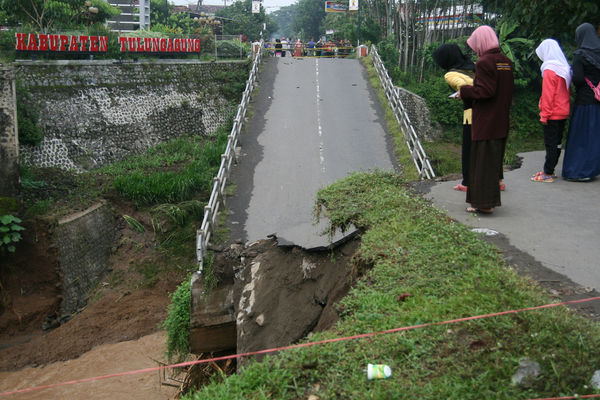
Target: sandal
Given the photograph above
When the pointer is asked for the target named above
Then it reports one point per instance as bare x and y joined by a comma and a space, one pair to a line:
542, 173
460, 187
542, 178
474, 210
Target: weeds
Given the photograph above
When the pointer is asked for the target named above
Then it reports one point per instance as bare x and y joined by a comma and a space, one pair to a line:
134, 224
177, 323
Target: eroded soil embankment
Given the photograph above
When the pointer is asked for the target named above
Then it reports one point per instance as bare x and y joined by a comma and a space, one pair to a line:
274, 295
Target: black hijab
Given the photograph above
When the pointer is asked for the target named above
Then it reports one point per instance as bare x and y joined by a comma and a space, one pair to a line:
588, 42
450, 57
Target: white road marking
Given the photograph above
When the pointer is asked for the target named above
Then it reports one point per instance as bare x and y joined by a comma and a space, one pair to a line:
320, 129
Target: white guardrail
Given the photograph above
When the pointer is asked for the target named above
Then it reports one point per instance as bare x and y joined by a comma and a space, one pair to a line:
410, 136
211, 210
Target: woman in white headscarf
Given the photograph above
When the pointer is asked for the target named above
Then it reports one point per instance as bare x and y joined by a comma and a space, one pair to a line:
582, 154
554, 103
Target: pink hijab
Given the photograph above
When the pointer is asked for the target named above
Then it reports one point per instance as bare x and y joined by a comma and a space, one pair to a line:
483, 39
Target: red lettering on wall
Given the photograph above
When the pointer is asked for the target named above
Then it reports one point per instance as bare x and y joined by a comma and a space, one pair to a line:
31, 43
103, 44
140, 45
64, 41
176, 45
73, 46
148, 44
197, 45
123, 43
53, 42
43, 39
163, 45
20, 43
93, 43
169, 45
155, 44
83, 40
131, 42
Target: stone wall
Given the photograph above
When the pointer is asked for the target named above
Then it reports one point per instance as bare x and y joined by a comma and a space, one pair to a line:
418, 112
9, 145
93, 113
84, 241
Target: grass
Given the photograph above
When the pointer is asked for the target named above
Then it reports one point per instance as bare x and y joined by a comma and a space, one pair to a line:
425, 268
401, 149
170, 172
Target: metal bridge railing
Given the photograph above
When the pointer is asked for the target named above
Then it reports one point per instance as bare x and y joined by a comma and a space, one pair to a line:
211, 210
410, 136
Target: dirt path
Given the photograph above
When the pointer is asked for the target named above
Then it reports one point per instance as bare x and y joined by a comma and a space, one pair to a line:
102, 360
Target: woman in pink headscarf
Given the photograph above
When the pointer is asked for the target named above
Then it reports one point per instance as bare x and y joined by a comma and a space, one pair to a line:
490, 97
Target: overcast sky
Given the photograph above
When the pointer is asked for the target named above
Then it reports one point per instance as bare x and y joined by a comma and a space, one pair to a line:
270, 5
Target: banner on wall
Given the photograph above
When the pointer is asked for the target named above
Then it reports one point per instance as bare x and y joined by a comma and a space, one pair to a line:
158, 45
61, 43
31, 42
353, 5
335, 6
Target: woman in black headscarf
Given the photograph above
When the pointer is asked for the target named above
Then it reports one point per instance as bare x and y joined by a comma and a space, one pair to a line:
582, 155
460, 71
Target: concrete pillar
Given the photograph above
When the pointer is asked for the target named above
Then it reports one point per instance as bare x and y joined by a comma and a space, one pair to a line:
9, 143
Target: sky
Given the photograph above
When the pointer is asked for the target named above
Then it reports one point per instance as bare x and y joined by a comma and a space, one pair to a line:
270, 5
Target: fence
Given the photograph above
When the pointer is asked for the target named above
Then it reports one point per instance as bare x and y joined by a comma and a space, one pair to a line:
410, 136
211, 210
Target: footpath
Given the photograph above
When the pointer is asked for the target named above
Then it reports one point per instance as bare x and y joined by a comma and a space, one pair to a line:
558, 223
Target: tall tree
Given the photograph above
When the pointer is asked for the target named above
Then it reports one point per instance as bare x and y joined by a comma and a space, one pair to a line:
309, 17
238, 19
285, 20
540, 19
160, 10
44, 15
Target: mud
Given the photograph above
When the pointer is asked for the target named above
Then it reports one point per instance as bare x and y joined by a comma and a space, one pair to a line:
102, 360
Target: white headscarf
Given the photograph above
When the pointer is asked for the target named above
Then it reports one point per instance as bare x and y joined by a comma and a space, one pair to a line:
553, 58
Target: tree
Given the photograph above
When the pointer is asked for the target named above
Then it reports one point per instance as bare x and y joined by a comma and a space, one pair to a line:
44, 15
238, 19
284, 17
160, 10
309, 18
541, 19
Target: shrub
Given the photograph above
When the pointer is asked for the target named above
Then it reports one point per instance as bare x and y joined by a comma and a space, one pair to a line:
27, 117
177, 323
9, 233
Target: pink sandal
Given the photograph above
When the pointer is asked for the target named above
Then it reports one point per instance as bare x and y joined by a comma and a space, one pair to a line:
460, 187
542, 178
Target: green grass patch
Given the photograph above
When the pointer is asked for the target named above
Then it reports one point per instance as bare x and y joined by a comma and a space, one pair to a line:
445, 157
177, 323
172, 172
402, 153
449, 272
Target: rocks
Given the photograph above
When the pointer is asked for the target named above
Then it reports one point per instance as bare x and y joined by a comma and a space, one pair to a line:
125, 111
527, 372
595, 382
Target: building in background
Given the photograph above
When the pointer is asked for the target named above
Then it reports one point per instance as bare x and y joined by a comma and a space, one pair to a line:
135, 15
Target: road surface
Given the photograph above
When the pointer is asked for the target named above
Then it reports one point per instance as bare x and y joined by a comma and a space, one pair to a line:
314, 121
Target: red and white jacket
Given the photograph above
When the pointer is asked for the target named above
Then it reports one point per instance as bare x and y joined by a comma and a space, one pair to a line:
556, 98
